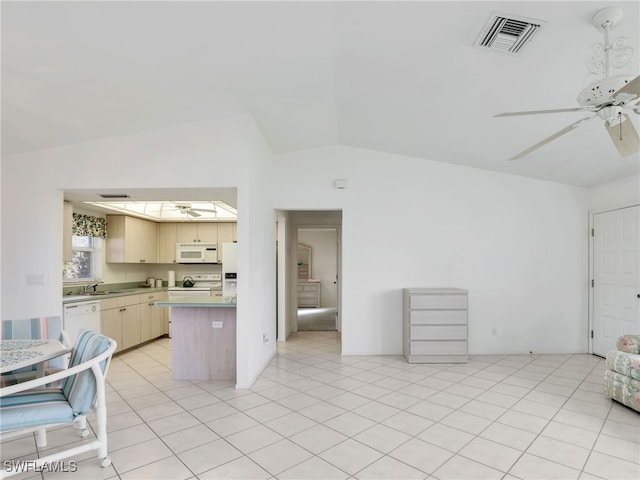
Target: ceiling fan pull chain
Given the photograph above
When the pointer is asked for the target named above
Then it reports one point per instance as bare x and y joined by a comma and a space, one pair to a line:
620, 124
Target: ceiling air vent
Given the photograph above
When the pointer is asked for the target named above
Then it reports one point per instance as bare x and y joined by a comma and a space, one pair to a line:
114, 195
508, 33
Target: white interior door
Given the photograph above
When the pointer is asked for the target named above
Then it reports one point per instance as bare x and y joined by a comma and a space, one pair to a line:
616, 277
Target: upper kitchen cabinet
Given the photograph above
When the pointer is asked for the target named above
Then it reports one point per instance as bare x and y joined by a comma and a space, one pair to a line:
170, 233
67, 232
131, 240
167, 239
226, 234
197, 232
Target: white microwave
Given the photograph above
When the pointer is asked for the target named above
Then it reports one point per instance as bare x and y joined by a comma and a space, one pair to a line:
196, 253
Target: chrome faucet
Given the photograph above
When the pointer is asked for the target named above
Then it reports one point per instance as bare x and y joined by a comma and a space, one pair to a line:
85, 288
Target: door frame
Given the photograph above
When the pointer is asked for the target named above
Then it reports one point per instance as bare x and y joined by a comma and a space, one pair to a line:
592, 214
294, 270
338, 264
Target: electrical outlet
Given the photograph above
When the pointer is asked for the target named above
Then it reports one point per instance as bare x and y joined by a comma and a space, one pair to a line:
494, 331
265, 338
216, 324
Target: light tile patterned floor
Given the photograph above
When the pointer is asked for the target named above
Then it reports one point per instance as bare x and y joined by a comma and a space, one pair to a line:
313, 414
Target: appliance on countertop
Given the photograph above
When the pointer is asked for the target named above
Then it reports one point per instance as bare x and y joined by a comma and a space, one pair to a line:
81, 315
196, 253
204, 284
229, 270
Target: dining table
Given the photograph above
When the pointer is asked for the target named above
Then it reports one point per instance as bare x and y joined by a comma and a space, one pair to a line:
16, 354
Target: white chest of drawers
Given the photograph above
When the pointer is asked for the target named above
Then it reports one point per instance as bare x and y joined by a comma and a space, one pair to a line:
435, 325
308, 294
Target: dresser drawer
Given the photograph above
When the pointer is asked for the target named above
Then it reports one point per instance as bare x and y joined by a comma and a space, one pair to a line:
421, 347
308, 295
439, 332
439, 301
308, 288
438, 317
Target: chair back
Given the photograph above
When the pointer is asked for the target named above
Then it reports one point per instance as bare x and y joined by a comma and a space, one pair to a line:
80, 389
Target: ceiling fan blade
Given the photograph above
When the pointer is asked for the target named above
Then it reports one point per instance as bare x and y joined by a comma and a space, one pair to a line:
629, 93
552, 137
192, 213
624, 136
537, 112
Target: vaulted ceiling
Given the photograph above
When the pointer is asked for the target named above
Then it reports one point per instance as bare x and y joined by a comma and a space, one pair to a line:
401, 77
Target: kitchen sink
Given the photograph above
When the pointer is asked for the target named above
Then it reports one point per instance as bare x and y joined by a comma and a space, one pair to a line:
101, 292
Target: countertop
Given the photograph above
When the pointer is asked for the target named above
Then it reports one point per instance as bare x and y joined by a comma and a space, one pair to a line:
115, 293
198, 302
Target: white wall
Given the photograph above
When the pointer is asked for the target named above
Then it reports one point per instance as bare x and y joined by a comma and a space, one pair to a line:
224, 154
623, 192
519, 245
256, 295
285, 290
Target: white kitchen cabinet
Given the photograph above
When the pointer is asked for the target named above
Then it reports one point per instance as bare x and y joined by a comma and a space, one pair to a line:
197, 232
225, 235
131, 240
152, 319
309, 294
130, 325
111, 319
435, 325
120, 320
67, 232
111, 325
167, 239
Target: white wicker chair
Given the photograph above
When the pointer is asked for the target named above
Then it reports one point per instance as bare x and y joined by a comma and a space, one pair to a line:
28, 407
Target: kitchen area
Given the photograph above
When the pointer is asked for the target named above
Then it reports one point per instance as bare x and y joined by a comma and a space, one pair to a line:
115, 278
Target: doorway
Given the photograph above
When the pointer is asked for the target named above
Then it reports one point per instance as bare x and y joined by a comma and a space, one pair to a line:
616, 277
317, 279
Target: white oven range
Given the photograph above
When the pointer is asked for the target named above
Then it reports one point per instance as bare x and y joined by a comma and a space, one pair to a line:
205, 285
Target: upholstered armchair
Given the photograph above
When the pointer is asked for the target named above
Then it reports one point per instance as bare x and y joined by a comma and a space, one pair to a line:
622, 377
28, 407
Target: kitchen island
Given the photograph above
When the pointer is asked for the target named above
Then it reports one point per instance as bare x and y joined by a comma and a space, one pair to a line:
203, 338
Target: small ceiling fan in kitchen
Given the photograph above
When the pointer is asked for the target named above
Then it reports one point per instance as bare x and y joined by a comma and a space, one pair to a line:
606, 98
187, 209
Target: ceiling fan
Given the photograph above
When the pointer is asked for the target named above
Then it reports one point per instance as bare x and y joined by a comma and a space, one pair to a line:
193, 212
607, 97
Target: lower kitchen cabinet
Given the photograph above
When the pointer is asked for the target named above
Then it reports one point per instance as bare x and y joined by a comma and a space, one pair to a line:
120, 320
130, 326
132, 319
152, 319
111, 325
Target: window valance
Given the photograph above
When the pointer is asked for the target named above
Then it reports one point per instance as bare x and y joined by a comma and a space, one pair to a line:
88, 226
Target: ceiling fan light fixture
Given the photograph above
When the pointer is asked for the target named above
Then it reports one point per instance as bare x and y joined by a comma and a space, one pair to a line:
612, 115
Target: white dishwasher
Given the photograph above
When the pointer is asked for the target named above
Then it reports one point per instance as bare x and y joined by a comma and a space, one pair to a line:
81, 315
